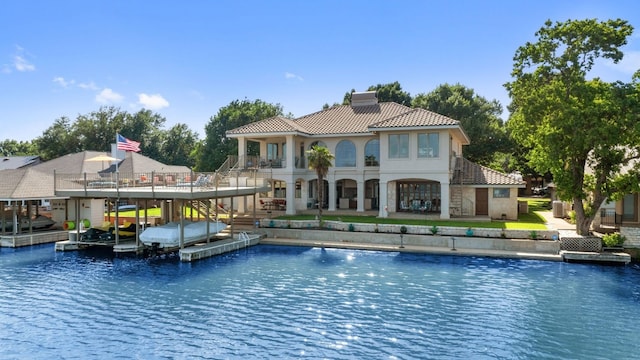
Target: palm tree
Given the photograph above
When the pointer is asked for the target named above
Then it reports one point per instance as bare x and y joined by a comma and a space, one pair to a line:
320, 159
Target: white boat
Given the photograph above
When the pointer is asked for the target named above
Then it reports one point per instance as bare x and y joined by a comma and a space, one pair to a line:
168, 235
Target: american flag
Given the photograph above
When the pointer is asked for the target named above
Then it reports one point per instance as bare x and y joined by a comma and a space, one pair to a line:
126, 144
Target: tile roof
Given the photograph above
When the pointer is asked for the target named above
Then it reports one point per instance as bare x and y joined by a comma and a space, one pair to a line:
415, 118
475, 174
344, 119
277, 124
341, 119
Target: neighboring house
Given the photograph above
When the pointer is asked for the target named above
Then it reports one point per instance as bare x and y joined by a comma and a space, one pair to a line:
623, 216
35, 184
388, 157
18, 162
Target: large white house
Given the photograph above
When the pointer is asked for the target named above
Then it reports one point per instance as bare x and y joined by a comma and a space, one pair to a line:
388, 157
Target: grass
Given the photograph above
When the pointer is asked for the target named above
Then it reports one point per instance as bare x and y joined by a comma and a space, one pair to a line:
530, 221
156, 212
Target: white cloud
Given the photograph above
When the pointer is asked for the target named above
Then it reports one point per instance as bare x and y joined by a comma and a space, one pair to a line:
21, 64
88, 86
153, 102
289, 75
108, 96
62, 82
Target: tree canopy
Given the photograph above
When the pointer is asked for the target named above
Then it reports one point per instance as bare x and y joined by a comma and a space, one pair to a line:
584, 131
479, 117
217, 147
391, 92
97, 131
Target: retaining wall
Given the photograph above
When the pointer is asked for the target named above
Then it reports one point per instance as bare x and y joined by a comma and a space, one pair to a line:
442, 241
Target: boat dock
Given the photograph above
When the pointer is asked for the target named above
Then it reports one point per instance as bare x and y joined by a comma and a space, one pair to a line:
36, 238
598, 257
201, 251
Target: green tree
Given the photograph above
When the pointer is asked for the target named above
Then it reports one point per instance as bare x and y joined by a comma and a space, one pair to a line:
146, 127
479, 117
97, 130
320, 158
391, 92
57, 140
217, 147
584, 131
15, 148
179, 146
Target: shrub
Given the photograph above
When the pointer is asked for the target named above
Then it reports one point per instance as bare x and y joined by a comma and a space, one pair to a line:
572, 217
434, 230
613, 240
533, 235
352, 228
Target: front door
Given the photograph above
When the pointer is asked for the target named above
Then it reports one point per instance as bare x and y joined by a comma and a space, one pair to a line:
482, 202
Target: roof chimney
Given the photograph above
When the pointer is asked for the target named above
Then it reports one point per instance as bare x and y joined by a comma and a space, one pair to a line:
364, 98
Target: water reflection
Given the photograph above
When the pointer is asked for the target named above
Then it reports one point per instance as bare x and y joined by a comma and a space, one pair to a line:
291, 302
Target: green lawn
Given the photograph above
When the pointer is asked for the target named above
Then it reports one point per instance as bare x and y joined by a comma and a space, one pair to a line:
529, 221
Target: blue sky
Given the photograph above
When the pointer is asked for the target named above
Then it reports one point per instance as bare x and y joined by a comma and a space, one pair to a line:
187, 59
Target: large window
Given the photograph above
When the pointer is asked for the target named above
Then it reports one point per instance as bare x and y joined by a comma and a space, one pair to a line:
428, 145
272, 151
629, 206
418, 196
372, 153
345, 154
398, 146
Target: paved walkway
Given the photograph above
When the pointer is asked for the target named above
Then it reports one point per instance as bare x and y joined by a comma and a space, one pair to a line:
554, 223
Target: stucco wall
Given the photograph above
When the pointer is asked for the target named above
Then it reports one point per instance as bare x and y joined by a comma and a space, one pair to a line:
507, 206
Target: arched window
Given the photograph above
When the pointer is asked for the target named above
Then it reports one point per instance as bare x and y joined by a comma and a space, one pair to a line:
345, 154
317, 143
372, 153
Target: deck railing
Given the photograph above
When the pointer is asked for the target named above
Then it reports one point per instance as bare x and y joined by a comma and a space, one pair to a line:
177, 180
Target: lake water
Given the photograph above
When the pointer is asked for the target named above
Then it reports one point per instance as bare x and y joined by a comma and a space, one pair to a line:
294, 302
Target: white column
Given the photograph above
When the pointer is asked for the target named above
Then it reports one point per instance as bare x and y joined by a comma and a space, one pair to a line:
242, 150
360, 196
382, 212
444, 200
332, 194
291, 198
291, 151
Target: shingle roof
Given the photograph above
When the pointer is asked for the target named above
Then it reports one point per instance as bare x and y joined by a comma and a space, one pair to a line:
36, 182
475, 174
17, 162
26, 183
